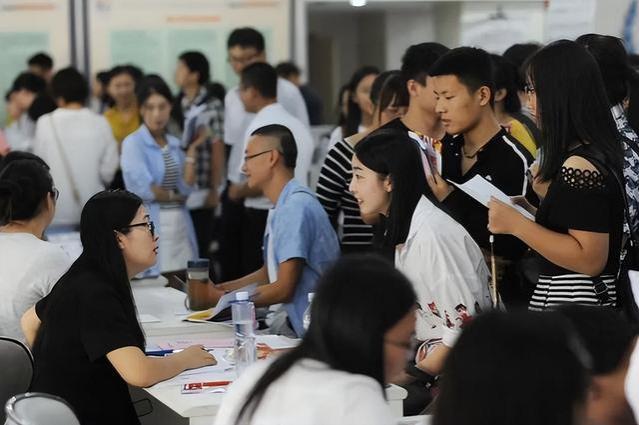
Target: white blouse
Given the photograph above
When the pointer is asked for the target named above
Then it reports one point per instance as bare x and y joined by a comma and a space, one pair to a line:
447, 270
309, 393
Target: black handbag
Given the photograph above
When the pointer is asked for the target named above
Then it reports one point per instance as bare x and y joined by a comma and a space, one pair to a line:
629, 260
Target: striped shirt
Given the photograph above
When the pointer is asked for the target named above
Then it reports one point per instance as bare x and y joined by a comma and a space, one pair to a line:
171, 170
338, 201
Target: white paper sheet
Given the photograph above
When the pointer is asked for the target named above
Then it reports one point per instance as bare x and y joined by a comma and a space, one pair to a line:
482, 190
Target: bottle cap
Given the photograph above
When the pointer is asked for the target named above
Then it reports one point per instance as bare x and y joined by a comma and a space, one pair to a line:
311, 295
241, 296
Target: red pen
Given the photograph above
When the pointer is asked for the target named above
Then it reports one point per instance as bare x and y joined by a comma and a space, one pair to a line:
198, 387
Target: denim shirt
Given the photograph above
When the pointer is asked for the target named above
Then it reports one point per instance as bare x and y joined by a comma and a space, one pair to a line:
143, 166
298, 228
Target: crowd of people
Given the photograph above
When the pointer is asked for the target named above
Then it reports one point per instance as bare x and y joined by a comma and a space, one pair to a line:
510, 312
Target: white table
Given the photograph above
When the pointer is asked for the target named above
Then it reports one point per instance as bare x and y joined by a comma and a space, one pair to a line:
169, 405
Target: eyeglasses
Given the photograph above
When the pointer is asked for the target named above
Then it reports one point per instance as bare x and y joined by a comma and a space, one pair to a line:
247, 157
149, 225
242, 60
55, 192
529, 89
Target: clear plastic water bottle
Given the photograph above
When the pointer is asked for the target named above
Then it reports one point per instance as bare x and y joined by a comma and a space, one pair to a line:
306, 318
243, 312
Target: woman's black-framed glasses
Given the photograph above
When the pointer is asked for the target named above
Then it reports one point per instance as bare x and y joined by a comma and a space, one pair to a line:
529, 89
148, 224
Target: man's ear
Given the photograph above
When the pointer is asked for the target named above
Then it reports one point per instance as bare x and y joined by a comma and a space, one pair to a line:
500, 95
413, 87
484, 94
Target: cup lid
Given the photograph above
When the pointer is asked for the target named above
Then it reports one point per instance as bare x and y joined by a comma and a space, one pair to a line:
198, 263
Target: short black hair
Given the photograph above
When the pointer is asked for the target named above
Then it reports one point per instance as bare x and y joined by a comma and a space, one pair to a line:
42, 60
612, 58
262, 77
70, 85
287, 69
30, 82
196, 62
132, 70
246, 37
472, 67
519, 53
288, 147
153, 84
419, 58
507, 77
604, 332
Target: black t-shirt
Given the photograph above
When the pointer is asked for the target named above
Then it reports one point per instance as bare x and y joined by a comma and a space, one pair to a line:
584, 200
83, 319
503, 161
395, 124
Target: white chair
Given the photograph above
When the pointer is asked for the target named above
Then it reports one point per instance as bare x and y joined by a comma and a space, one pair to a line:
16, 363
39, 409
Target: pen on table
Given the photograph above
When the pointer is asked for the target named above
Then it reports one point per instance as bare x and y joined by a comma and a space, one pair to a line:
161, 353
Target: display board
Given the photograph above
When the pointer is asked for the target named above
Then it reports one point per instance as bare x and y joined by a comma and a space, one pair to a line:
28, 27
152, 33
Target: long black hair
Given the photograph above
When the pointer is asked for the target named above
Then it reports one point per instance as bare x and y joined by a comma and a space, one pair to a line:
104, 214
572, 106
393, 153
25, 185
354, 112
343, 332
506, 365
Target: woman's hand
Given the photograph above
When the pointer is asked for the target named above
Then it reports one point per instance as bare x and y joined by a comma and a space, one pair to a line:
195, 356
440, 188
503, 218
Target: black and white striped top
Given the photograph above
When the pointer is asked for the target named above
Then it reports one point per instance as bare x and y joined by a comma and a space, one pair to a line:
338, 201
171, 170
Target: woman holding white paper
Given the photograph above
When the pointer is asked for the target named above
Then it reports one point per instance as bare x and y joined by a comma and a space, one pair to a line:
577, 230
435, 252
87, 342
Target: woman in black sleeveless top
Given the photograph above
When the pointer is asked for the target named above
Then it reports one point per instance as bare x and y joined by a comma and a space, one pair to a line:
578, 227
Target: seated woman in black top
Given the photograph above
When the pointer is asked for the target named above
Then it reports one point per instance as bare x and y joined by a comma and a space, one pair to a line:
578, 227
87, 342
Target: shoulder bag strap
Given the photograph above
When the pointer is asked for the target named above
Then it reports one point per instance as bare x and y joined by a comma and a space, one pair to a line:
74, 188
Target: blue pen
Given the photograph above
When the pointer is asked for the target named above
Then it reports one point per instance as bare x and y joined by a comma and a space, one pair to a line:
161, 353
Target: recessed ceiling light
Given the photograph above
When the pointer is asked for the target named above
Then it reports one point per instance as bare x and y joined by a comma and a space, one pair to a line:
358, 3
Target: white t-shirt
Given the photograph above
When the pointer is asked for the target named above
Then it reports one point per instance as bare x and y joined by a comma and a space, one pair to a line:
236, 120
309, 393
29, 267
447, 270
276, 114
632, 382
90, 150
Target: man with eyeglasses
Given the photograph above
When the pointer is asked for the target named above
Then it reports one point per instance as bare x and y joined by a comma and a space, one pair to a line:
299, 242
258, 91
245, 47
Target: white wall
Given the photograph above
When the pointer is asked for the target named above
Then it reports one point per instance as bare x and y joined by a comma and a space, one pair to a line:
407, 27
